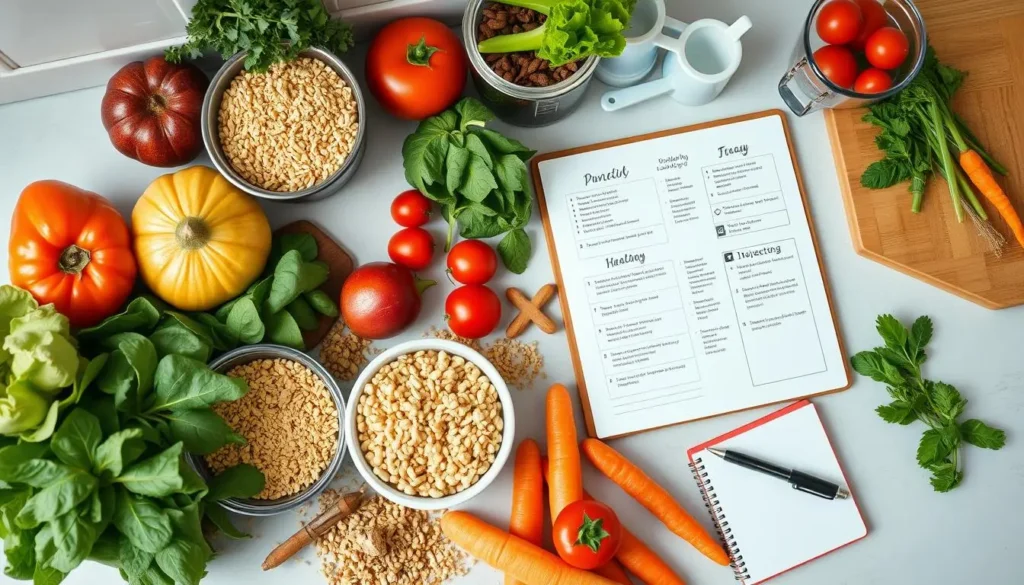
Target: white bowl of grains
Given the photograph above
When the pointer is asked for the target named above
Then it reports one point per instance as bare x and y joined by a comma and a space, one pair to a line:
291, 420
429, 424
294, 132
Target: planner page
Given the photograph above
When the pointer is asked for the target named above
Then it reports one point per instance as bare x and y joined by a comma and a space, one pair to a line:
690, 275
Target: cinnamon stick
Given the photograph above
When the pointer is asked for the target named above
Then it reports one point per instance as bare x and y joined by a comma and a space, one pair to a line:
319, 526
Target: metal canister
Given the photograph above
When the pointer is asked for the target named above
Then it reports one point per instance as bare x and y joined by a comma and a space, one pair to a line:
515, 104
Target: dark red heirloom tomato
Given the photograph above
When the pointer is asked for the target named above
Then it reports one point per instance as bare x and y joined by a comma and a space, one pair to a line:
152, 111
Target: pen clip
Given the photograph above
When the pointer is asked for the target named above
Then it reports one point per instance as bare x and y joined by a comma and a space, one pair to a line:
808, 490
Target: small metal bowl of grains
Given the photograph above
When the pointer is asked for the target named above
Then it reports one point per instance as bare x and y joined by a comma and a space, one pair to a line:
292, 422
430, 424
294, 133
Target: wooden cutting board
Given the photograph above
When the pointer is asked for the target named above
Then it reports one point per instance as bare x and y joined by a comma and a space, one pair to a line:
338, 262
986, 39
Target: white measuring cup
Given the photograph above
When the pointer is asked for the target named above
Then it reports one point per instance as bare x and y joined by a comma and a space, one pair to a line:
697, 67
647, 26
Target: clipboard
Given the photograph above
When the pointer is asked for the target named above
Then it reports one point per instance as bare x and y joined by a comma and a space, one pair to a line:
556, 267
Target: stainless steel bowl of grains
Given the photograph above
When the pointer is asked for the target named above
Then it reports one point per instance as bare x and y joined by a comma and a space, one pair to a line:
294, 132
290, 425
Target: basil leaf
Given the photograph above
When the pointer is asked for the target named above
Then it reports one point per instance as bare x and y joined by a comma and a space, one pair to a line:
322, 303
240, 481
157, 476
57, 499
512, 174
259, 291
501, 144
424, 151
137, 565
175, 338
142, 522
476, 146
183, 561
514, 250
244, 322
313, 275
183, 383
472, 112
479, 181
141, 315
455, 169
73, 537
285, 286
303, 314
305, 243
478, 222
38, 473
201, 430
282, 329
76, 440
219, 517
119, 450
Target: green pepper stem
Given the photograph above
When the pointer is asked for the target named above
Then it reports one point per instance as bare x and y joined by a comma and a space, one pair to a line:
525, 41
542, 6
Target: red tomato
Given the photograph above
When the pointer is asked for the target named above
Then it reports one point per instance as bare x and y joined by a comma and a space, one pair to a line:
872, 80
837, 64
410, 209
839, 21
875, 18
472, 262
416, 68
887, 48
412, 247
587, 534
472, 311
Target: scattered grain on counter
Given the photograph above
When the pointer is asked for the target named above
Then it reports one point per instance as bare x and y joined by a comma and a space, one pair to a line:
290, 128
290, 424
519, 363
344, 353
430, 424
386, 544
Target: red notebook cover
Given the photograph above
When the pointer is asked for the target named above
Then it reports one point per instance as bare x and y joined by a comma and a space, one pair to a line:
766, 526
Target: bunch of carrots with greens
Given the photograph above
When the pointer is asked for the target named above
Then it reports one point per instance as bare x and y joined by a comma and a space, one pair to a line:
921, 134
518, 552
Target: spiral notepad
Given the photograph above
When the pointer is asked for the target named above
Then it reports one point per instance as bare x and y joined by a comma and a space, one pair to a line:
766, 526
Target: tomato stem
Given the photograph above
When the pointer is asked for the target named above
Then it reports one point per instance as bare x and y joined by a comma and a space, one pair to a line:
591, 533
423, 284
73, 260
420, 53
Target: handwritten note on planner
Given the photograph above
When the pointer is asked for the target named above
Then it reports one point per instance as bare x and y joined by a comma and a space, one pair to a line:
690, 276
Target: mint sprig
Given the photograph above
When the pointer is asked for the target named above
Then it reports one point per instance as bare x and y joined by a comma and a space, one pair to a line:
937, 404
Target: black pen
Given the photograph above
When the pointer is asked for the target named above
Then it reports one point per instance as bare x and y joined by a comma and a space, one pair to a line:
798, 479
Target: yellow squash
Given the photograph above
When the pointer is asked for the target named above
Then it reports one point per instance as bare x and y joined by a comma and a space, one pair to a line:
199, 241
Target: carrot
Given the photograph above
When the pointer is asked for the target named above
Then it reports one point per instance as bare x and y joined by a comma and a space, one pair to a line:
614, 571
506, 552
527, 520
566, 481
636, 556
981, 175
652, 496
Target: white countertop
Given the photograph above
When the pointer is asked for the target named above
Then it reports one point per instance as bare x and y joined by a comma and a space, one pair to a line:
915, 535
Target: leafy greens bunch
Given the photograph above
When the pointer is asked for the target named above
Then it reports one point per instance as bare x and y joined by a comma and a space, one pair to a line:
919, 130
937, 404
111, 483
573, 30
270, 30
38, 362
477, 175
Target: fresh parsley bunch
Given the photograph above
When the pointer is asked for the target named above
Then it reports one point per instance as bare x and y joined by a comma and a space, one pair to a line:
270, 30
937, 404
477, 175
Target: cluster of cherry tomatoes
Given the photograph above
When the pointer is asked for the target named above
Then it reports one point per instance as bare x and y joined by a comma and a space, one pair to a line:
859, 26
472, 310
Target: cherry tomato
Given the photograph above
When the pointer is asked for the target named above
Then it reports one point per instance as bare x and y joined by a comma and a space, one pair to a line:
837, 64
587, 534
412, 247
887, 48
410, 209
416, 67
875, 18
472, 311
872, 80
472, 262
839, 21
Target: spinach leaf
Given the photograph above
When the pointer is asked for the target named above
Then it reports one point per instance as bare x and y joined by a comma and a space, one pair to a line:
498, 143
76, 440
138, 567
38, 473
243, 322
157, 476
240, 481
282, 329
175, 338
199, 329
142, 522
219, 517
183, 383
286, 284
514, 250
73, 537
140, 354
141, 315
88, 371
321, 302
456, 162
184, 561
479, 181
57, 499
303, 242
119, 450
314, 274
201, 430
303, 314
